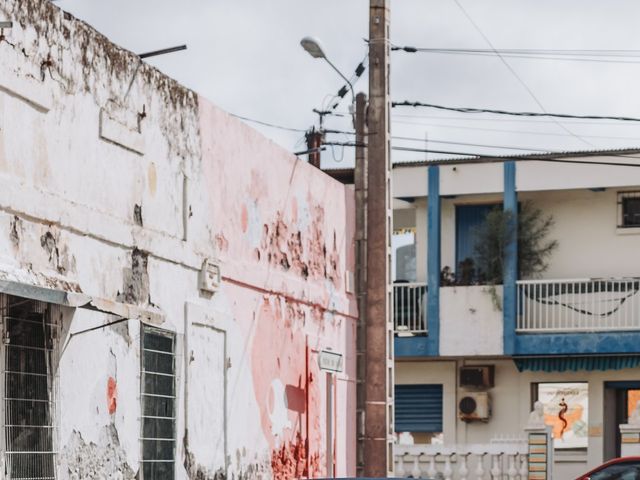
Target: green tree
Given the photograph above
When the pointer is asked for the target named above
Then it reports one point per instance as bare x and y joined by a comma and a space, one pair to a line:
534, 247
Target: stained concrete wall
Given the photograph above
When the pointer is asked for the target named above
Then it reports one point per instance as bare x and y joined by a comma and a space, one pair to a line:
123, 199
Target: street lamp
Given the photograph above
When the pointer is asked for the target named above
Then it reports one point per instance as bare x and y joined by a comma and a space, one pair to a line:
312, 46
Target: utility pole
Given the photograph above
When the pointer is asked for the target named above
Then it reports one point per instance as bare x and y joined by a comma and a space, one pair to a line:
314, 144
378, 454
360, 181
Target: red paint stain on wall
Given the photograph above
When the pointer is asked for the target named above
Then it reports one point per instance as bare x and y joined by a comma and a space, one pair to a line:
278, 354
290, 461
112, 395
244, 219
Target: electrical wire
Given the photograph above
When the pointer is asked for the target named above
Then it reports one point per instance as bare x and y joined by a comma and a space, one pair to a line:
501, 130
474, 155
514, 73
267, 124
517, 114
562, 55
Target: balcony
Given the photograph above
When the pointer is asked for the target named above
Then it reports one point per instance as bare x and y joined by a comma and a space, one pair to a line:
409, 309
578, 316
582, 305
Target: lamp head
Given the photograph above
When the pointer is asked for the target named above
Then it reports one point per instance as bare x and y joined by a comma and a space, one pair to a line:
312, 46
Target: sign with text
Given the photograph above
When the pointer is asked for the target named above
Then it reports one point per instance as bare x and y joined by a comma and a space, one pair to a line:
330, 361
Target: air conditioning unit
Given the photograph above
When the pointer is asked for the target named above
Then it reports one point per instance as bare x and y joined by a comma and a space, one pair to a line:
475, 407
477, 376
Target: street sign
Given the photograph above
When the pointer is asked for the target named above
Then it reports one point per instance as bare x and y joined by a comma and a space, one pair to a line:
330, 361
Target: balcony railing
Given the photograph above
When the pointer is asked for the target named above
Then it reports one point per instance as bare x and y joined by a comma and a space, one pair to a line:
507, 461
586, 305
409, 308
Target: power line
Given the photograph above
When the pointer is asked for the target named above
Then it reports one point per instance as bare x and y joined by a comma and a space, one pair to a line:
517, 114
267, 124
568, 55
514, 73
501, 130
510, 120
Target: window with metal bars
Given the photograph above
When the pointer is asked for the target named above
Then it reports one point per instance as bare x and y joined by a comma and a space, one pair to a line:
629, 210
30, 334
158, 403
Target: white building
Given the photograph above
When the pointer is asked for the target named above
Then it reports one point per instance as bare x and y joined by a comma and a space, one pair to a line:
168, 276
571, 335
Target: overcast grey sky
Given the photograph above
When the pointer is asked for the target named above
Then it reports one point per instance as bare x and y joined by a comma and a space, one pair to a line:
245, 56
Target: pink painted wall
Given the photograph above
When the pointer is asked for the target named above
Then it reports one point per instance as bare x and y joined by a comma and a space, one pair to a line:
284, 232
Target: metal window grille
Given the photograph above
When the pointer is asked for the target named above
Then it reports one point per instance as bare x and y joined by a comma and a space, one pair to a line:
158, 404
30, 337
629, 209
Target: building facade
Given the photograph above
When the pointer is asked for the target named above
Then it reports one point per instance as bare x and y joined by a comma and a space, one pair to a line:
473, 355
168, 278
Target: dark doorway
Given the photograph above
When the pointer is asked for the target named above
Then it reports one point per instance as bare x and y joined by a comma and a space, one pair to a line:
620, 399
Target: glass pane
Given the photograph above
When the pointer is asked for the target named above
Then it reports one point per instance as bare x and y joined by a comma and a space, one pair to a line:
25, 385
157, 450
631, 211
157, 428
154, 341
158, 471
158, 362
158, 384
158, 407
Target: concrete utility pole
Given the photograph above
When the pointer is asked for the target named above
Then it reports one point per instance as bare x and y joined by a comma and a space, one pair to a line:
378, 454
360, 180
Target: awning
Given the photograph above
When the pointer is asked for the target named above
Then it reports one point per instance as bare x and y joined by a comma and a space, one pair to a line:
575, 364
59, 290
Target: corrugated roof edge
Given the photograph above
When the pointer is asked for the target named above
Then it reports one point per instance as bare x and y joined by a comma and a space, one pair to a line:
522, 156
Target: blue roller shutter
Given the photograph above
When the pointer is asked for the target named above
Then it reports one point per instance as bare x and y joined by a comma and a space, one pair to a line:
418, 408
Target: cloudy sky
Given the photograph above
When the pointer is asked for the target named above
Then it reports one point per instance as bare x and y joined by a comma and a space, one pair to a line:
245, 56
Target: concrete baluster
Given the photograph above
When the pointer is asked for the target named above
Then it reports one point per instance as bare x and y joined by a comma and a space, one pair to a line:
496, 471
432, 472
400, 465
524, 467
480, 467
463, 471
448, 471
415, 471
512, 472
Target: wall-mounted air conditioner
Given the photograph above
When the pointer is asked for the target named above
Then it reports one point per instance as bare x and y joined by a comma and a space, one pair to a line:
475, 407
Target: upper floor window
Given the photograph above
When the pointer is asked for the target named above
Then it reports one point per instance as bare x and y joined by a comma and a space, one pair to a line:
629, 209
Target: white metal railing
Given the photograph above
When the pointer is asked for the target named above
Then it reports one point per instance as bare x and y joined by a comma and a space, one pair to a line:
594, 304
495, 461
409, 308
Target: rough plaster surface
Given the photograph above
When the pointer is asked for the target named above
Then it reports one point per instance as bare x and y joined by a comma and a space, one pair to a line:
123, 199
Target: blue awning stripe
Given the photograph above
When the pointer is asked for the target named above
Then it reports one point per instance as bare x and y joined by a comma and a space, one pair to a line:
575, 364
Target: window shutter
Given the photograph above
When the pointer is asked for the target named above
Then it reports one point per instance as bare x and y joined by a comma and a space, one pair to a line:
418, 408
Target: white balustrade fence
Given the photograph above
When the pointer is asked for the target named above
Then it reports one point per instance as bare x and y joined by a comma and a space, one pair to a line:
494, 461
579, 305
409, 308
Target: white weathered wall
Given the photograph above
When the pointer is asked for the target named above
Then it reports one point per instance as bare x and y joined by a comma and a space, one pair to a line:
75, 161
476, 309
511, 400
469, 179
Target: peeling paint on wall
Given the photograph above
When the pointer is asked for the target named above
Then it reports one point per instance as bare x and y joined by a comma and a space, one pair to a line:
305, 253
106, 459
136, 279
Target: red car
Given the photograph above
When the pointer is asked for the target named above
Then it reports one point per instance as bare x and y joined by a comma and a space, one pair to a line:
625, 468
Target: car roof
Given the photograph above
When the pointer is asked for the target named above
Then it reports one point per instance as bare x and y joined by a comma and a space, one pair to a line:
613, 462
